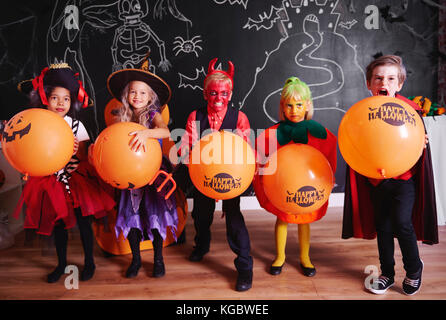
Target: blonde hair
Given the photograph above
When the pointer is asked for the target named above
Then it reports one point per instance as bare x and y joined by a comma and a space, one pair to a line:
387, 60
218, 76
126, 112
297, 89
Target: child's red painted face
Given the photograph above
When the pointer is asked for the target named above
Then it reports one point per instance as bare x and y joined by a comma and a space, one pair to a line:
218, 94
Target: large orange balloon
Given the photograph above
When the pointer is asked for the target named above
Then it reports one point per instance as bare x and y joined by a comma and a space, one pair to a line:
222, 165
118, 165
381, 137
302, 181
37, 142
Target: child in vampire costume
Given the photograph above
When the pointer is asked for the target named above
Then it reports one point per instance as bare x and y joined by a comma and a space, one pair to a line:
403, 207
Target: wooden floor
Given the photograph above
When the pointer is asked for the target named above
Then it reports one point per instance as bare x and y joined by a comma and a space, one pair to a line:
340, 268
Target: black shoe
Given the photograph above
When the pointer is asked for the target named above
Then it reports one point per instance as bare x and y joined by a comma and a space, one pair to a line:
56, 274
88, 272
275, 270
244, 281
133, 269
412, 283
197, 255
158, 269
308, 272
380, 284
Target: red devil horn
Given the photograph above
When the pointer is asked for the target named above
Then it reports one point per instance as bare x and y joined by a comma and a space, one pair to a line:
212, 65
231, 69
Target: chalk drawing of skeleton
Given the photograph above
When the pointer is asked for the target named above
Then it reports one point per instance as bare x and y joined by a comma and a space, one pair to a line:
308, 29
65, 44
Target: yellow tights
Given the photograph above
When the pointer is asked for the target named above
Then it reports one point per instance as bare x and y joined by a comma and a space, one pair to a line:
304, 243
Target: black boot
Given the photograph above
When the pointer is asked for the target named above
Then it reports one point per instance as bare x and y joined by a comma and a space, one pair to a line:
61, 241
244, 280
134, 238
159, 269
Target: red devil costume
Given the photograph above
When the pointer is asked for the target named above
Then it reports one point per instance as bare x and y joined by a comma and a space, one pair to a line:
218, 116
70, 196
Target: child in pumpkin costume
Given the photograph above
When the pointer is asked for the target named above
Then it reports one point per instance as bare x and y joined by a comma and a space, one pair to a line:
72, 195
143, 212
296, 126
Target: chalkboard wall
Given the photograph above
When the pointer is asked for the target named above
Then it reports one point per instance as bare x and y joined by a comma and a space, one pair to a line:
325, 43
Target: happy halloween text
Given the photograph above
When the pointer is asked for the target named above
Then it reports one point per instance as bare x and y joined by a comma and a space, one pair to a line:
305, 196
393, 114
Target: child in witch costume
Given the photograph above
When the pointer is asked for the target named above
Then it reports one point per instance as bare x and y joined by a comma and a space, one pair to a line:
217, 91
56, 203
143, 212
296, 126
403, 207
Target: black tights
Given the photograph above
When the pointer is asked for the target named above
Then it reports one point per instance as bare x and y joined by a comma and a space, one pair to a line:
134, 237
86, 233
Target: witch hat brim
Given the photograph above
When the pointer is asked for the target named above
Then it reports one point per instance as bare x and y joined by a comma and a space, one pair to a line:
117, 81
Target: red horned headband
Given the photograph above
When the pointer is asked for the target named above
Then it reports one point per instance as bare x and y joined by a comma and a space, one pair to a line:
37, 83
229, 73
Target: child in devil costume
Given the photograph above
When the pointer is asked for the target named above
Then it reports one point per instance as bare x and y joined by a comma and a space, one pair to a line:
403, 207
217, 91
72, 195
296, 126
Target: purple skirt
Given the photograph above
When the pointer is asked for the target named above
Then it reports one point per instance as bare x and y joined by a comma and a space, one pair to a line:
146, 209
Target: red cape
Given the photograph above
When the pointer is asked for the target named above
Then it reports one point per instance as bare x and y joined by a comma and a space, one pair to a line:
358, 218
326, 146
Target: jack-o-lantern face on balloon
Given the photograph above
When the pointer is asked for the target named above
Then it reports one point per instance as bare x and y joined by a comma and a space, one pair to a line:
16, 128
37, 142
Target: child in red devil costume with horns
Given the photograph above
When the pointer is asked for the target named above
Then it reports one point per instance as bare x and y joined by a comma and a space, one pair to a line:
72, 195
217, 91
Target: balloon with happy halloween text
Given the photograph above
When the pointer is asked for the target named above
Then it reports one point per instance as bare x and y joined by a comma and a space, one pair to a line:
381, 137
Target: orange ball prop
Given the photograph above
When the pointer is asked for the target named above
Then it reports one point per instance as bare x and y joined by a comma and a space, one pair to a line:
222, 165
381, 137
37, 142
302, 181
117, 164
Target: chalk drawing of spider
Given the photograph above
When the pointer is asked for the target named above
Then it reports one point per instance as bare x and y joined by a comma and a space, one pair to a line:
187, 46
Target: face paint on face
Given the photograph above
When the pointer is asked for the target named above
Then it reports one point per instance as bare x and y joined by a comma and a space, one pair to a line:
218, 94
384, 81
139, 94
295, 109
59, 101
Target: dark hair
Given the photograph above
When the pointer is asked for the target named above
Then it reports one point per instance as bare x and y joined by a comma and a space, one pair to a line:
36, 102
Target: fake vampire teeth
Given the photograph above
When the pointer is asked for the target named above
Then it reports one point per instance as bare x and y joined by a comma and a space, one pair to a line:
383, 92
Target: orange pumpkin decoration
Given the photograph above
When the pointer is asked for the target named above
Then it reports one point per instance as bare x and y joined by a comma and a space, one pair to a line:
302, 181
118, 246
117, 164
222, 165
37, 142
381, 137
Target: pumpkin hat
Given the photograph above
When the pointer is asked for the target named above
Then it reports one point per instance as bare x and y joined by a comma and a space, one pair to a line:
56, 75
117, 81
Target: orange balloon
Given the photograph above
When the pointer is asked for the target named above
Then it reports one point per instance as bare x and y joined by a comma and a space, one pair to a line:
117, 164
381, 137
112, 109
302, 181
37, 142
222, 165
